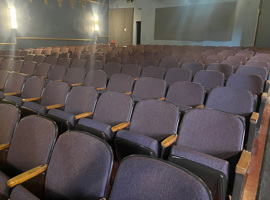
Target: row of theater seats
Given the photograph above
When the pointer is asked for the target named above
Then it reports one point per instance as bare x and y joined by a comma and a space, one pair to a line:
79, 166
208, 143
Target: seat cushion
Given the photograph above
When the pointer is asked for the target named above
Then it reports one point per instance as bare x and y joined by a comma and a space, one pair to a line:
204, 159
20, 193
36, 107
97, 125
62, 115
4, 190
15, 99
184, 108
2, 95
139, 139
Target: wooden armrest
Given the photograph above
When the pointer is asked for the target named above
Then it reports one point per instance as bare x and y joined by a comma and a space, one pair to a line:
243, 163
168, 141
128, 93
1, 88
76, 84
102, 88
120, 126
4, 146
264, 95
200, 106
26, 176
43, 77
268, 81
31, 99
83, 115
12, 93
60, 80
161, 99
135, 79
103, 198
54, 106
254, 118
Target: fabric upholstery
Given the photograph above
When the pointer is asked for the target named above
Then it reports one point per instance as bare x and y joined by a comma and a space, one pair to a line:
148, 87
75, 75
153, 71
20, 193
14, 82
3, 78
64, 62
78, 63
178, 74
40, 58
133, 70
57, 72
78, 171
40, 109
204, 159
42, 70
32, 143
212, 132
6, 63
32, 87
120, 83
16, 65
147, 62
186, 93
4, 190
169, 65
112, 68
209, 79
249, 70
235, 101
96, 79
224, 68
147, 178
193, 66
252, 83
62, 115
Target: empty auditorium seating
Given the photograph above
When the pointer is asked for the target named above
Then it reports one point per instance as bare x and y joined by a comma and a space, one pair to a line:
96, 79
57, 72
30, 149
226, 69
112, 68
29, 57
51, 60
75, 76
132, 69
112, 112
5, 64
28, 68
3, 78
16, 66
122, 83
42, 70
152, 122
40, 58
193, 66
209, 144
177, 74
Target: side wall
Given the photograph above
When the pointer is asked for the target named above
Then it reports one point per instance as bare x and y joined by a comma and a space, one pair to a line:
50, 24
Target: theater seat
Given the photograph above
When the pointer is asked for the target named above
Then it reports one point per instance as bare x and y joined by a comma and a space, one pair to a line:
112, 112
96, 79
75, 76
178, 74
133, 70
146, 178
30, 148
152, 122
210, 144
80, 103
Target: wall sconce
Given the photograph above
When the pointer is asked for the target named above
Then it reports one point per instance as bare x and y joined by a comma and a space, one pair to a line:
96, 23
13, 18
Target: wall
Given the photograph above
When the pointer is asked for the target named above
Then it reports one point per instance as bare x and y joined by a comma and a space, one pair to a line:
263, 33
244, 22
40, 21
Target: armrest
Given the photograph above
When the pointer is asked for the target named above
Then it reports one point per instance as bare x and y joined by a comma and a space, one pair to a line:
264, 95
161, 99
1, 88
43, 77
128, 93
76, 84
268, 81
12, 93
26, 176
169, 141
103, 198
31, 99
254, 118
4, 146
243, 163
199, 106
120, 126
54, 106
135, 79
102, 88
83, 115
60, 80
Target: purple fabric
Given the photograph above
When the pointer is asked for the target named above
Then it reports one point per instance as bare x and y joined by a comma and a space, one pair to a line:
178, 74
14, 82
32, 87
78, 63
74, 75
253, 70
120, 83
97, 125
186, 93
155, 119
193, 66
6, 63
78, 171
96, 79
112, 68
29, 67
40, 58
3, 77
64, 62
4, 190
224, 68
146, 63
209, 79
42, 70
14, 99
51, 60
235, 101
29, 57
127, 61
148, 87
62, 115
153, 71
140, 140
20, 193
36, 107
258, 64
133, 70
146, 178
252, 83
57, 72
16, 65
95, 65
212, 132
169, 65
234, 63
204, 159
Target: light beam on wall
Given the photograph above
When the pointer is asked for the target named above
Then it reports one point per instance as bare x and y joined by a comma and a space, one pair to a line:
13, 18
96, 23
